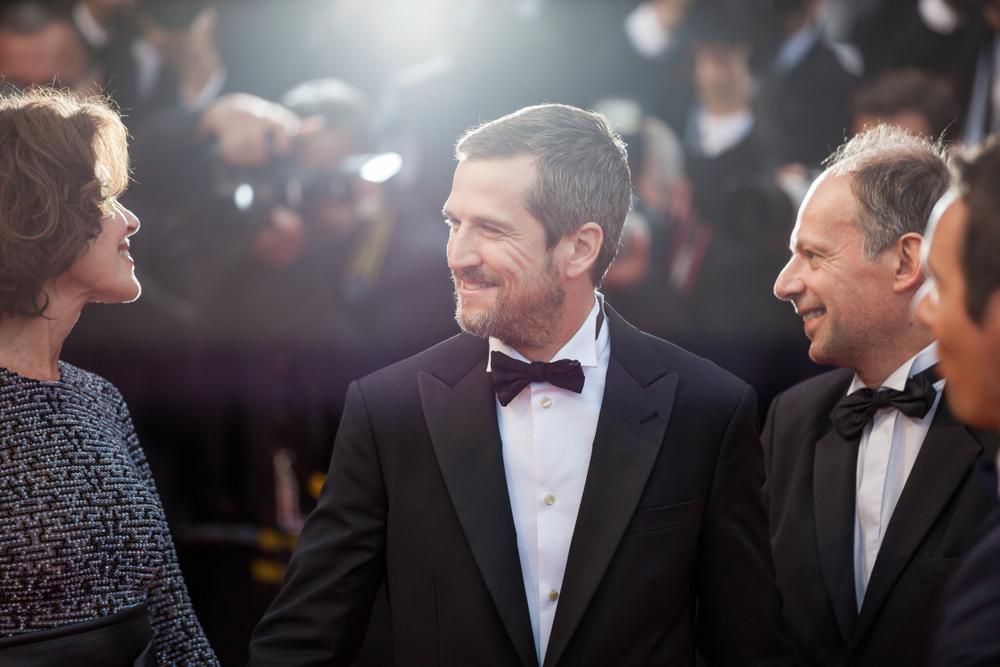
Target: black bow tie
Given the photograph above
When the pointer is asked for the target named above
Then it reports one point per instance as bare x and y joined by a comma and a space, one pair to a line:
510, 376
856, 409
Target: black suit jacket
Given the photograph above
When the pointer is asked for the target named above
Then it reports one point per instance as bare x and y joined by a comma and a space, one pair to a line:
968, 633
811, 481
807, 110
669, 550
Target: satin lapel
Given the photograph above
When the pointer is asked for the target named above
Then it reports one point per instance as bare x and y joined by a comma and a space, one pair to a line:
638, 398
946, 455
463, 426
834, 480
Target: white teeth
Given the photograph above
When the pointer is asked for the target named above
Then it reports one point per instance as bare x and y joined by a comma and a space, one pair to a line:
812, 314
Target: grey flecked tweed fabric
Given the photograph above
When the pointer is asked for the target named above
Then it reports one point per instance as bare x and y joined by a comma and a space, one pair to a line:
82, 531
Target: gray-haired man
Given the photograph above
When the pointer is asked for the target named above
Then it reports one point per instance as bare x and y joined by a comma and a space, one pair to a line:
870, 479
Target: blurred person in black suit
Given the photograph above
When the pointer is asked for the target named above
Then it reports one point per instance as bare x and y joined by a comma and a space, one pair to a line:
916, 101
962, 308
314, 279
637, 282
39, 47
959, 39
740, 218
641, 52
154, 54
806, 88
318, 272
871, 482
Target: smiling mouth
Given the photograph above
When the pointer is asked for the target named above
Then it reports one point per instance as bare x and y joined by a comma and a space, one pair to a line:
810, 315
123, 252
471, 281
474, 287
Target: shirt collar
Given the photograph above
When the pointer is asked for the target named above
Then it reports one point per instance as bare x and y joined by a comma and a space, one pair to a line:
795, 48
582, 346
718, 133
918, 363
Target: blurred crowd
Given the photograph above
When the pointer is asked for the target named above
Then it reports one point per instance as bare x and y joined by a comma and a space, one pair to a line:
290, 160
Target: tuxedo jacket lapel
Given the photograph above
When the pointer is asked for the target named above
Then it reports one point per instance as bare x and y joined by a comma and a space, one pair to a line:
834, 475
948, 452
638, 396
459, 406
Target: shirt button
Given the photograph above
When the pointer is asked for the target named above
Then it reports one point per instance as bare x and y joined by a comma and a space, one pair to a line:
553, 596
549, 499
546, 402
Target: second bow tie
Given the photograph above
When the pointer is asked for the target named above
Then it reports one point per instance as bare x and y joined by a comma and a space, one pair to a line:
510, 376
857, 409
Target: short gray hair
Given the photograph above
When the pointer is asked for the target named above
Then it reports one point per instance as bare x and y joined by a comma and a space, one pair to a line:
896, 178
581, 170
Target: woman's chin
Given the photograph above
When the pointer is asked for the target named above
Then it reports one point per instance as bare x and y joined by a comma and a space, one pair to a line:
127, 294
133, 294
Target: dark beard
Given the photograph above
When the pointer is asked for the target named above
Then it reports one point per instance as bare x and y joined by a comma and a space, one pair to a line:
521, 319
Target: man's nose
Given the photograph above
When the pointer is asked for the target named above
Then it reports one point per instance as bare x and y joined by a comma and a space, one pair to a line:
788, 284
462, 249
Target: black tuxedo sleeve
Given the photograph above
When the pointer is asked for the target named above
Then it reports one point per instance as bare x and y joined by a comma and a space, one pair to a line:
969, 632
767, 440
322, 611
738, 601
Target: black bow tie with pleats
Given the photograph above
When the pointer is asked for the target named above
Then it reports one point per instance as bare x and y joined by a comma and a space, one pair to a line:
857, 409
510, 376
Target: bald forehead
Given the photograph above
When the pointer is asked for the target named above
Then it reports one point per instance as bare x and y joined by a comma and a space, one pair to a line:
829, 203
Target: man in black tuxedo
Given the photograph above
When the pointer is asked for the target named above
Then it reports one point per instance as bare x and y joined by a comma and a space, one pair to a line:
872, 491
603, 509
962, 308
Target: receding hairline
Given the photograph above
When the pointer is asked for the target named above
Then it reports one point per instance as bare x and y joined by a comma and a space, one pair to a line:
530, 165
826, 178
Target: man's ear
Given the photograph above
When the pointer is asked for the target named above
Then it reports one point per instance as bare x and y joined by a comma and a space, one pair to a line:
908, 271
582, 248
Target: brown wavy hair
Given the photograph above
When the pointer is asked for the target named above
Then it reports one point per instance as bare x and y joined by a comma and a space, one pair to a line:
63, 160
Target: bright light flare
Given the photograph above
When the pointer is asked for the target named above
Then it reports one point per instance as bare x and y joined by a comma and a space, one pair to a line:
380, 168
243, 197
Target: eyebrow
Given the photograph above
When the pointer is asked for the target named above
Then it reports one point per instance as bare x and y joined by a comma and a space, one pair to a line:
813, 244
481, 219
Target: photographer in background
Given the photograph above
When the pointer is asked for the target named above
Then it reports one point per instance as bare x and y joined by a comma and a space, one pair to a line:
39, 47
276, 248
320, 272
154, 54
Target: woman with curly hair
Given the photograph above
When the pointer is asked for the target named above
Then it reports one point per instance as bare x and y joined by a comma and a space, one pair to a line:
88, 571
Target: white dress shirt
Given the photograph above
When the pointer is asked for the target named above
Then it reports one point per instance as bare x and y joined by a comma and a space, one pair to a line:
548, 435
889, 446
717, 133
